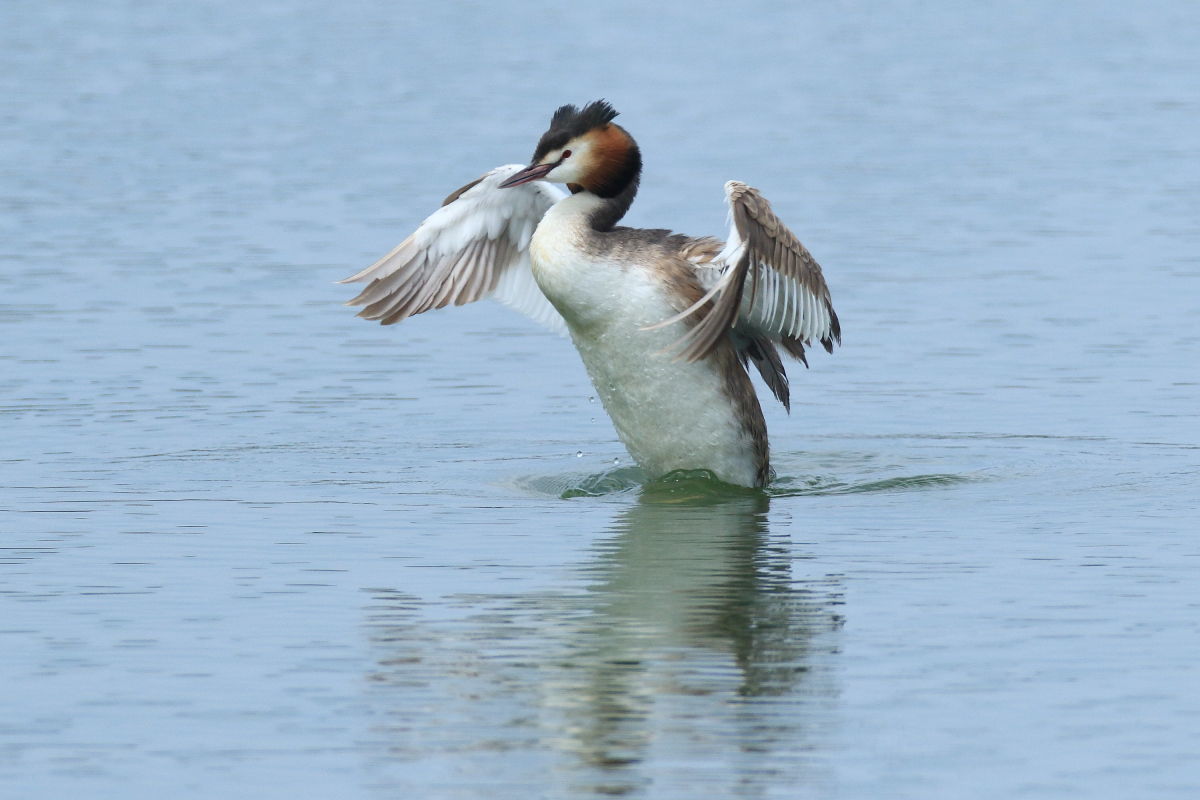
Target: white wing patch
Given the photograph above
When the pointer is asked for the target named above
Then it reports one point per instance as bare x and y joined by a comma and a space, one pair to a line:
476, 245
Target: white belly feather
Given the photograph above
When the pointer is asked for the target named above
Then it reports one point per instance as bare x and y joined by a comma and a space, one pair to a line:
669, 414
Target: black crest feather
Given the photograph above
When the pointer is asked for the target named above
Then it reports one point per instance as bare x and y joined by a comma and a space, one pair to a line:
576, 122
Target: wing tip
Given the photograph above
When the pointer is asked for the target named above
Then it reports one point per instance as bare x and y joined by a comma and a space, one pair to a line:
835, 330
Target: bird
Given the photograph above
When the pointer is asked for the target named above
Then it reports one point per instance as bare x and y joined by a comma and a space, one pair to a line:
667, 325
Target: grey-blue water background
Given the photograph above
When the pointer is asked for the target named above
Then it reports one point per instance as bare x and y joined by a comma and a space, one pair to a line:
255, 547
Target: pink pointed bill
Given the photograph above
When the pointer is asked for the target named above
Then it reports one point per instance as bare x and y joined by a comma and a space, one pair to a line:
530, 173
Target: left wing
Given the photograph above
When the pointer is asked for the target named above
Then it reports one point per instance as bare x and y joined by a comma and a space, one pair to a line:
765, 283
476, 245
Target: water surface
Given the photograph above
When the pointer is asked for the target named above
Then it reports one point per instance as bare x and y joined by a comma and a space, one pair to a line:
252, 546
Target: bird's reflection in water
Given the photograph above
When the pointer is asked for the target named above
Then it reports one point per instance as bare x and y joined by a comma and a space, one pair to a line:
692, 658
702, 645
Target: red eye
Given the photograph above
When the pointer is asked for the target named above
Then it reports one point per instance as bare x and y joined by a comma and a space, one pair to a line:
566, 154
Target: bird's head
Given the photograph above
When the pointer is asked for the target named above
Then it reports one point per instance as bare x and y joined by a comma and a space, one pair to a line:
584, 148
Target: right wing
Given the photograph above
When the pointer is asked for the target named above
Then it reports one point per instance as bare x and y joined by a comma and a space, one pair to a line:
476, 245
767, 285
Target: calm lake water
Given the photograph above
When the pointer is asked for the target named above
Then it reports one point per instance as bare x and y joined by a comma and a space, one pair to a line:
251, 546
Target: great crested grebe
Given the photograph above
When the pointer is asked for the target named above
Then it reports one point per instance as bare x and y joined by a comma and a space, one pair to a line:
667, 325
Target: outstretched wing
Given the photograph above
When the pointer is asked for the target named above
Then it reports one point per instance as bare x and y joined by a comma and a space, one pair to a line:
476, 245
764, 282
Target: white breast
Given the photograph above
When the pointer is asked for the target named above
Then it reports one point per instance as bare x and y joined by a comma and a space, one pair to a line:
669, 414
